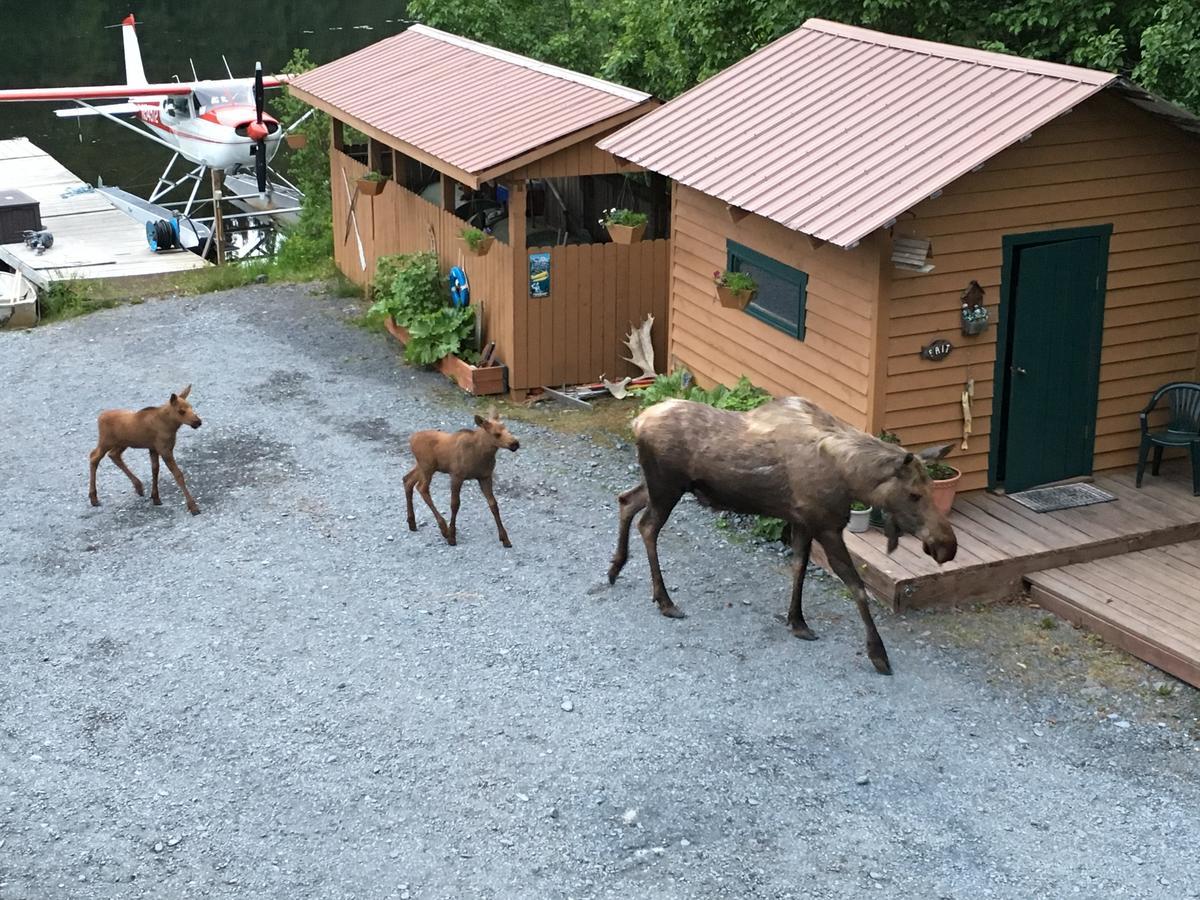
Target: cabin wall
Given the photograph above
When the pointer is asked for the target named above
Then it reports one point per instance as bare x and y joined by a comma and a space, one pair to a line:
831, 365
1106, 162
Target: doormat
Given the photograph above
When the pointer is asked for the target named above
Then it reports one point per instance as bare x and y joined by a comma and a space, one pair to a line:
1068, 496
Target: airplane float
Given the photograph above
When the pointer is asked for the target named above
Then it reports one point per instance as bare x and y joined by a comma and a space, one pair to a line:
217, 125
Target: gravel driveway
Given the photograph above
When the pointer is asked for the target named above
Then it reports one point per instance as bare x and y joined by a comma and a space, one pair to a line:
291, 696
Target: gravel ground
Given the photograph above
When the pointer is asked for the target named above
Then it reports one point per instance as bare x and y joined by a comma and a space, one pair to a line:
291, 696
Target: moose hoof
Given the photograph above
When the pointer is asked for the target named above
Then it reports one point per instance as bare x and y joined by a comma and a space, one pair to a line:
506, 542
156, 501
881, 664
412, 526
194, 510
139, 490
804, 633
95, 501
671, 611
452, 541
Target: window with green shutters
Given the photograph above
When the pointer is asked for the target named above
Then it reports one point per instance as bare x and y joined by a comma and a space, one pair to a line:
782, 290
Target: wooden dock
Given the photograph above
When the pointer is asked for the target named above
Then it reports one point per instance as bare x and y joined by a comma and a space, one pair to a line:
92, 238
1128, 569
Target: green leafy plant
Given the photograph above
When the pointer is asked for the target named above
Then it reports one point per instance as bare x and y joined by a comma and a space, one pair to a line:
373, 176
474, 237
435, 335
939, 471
768, 528
859, 506
889, 437
735, 281
409, 288
623, 217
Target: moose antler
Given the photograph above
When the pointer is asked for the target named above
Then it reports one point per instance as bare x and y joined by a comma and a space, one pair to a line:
617, 388
641, 350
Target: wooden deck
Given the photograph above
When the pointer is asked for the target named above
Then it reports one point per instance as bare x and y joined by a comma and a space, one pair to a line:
1147, 603
92, 238
1000, 542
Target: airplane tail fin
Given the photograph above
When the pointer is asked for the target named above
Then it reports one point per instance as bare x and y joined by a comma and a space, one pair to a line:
134, 73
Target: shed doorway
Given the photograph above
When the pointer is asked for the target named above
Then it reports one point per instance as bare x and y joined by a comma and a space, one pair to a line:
1048, 356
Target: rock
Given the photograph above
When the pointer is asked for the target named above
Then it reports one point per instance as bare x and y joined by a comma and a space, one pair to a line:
171, 842
158, 847
554, 813
684, 842
877, 876
260, 279
1121, 724
630, 816
567, 706
862, 779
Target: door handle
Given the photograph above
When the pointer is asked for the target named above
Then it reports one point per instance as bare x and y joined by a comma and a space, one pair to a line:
1017, 370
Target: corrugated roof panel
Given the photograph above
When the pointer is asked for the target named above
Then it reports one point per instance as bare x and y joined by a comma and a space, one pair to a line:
834, 131
471, 105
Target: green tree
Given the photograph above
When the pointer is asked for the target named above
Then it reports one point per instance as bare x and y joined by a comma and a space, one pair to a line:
308, 248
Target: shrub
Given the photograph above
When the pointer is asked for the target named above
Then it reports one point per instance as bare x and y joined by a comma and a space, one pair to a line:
409, 288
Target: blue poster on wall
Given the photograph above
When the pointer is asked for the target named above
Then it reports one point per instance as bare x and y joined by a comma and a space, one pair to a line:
539, 275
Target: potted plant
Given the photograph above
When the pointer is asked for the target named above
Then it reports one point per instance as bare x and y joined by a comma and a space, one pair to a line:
296, 139
476, 240
860, 517
734, 289
371, 184
888, 437
945, 484
624, 225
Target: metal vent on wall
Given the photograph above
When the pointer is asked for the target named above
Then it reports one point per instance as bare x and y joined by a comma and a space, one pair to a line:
912, 254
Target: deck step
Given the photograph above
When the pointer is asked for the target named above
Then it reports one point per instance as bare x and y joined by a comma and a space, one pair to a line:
1146, 602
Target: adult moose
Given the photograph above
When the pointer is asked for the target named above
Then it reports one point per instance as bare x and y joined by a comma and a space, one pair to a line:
789, 459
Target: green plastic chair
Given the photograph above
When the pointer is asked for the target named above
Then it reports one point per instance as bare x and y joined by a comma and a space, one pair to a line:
1183, 429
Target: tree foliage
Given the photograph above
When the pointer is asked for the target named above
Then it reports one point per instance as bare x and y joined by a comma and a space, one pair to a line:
667, 46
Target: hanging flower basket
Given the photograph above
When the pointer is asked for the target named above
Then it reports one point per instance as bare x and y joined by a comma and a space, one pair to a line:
296, 141
371, 184
475, 241
624, 225
734, 289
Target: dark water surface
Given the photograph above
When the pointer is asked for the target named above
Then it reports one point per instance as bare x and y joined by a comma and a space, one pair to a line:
66, 43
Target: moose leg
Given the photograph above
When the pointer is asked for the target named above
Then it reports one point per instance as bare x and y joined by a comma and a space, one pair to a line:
485, 485
843, 567
631, 503
455, 494
154, 478
94, 461
169, 459
115, 455
410, 482
650, 524
801, 550
423, 490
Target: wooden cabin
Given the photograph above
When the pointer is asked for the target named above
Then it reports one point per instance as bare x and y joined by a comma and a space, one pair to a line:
866, 180
466, 134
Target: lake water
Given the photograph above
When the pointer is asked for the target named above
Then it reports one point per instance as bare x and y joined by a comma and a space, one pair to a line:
67, 43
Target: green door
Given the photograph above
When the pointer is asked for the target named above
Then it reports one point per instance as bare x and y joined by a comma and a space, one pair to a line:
1048, 359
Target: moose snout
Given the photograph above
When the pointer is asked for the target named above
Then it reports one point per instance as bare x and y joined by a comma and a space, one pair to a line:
514, 446
941, 551
195, 424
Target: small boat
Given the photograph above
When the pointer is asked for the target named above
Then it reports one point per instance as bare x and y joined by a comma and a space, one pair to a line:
18, 301
241, 189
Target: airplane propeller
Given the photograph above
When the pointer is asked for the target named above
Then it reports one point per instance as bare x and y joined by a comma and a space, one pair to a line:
258, 131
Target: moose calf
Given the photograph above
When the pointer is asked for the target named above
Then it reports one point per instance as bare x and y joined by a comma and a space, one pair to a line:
466, 455
153, 429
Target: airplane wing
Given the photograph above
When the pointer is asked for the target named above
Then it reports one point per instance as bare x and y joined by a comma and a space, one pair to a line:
114, 91
105, 109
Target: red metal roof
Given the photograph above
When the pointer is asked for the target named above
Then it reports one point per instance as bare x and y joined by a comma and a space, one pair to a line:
470, 105
834, 131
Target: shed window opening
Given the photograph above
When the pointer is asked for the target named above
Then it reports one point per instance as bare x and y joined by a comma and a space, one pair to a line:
782, 291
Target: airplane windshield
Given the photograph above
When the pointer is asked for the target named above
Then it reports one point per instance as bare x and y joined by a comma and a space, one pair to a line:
221, 95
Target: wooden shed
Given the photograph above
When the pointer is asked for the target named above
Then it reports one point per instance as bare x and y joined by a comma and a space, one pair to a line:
866, 180
468, 134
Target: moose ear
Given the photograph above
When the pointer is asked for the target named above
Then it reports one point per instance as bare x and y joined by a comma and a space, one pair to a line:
492, 414
183, 394
903, 464
933, 454
174, 400
479, 420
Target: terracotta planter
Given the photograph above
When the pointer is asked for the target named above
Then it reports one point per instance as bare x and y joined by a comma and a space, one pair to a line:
860, 520
370, 188
296, 141
477, 381
481, 248
943, 492
626, 234
732, 299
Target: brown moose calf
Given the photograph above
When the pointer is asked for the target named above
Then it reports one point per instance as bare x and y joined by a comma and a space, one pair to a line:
466, 455
153, 429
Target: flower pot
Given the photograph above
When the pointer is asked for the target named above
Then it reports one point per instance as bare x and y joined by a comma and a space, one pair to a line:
482, 247
732, 299
860, 520
296, 141
943, 492
370, 188
974, 326
626, 234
